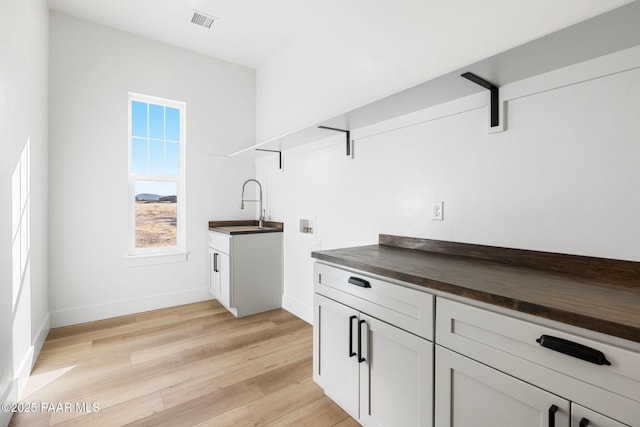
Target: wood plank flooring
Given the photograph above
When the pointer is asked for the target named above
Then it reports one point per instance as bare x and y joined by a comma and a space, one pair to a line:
191, 365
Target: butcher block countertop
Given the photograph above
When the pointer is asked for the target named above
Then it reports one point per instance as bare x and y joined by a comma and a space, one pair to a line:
245, 227
599, 294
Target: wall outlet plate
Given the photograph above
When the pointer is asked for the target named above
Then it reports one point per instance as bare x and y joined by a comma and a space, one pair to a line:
437, 213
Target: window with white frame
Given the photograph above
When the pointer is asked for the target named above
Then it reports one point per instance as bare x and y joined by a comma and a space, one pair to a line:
156, 175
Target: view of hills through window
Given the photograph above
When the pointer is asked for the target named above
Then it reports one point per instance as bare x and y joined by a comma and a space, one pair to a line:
156, 214
155, 170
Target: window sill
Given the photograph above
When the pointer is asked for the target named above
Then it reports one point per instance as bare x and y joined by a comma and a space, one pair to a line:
155, 259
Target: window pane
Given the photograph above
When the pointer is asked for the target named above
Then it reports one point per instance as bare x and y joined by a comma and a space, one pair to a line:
156, 158
156, 213
156, 121
139, 162
172, 160
138, 118
156, 173
172, 124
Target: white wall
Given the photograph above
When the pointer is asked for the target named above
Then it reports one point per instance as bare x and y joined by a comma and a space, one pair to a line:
23, 191
92, 70
359, 51
563, 177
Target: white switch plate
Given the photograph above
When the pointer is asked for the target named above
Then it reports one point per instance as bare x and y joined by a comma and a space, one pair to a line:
437, 213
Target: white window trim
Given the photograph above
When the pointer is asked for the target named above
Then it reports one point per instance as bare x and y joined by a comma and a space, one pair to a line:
161, 255
154, 259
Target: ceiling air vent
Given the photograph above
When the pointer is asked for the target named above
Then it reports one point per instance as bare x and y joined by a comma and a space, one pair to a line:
202, 19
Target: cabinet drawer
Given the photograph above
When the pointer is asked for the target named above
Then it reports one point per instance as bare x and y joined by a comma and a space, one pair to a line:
487, 336
408, 309
582, 416
219, 241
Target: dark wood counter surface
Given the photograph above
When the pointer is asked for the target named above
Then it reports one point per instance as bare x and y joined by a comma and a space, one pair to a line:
599, 294
245, 227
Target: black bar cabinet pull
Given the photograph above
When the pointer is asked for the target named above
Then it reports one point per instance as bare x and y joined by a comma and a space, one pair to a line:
552, 415
574, 349
351, 352
360, 358
583, 422
215, 263
359, 282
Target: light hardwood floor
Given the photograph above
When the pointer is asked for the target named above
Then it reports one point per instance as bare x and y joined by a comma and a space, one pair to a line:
192, 365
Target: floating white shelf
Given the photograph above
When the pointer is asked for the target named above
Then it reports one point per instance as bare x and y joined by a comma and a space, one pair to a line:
604, 34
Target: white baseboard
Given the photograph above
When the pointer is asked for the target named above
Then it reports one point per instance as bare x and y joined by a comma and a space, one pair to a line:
298, 308
9, 394
107, 310
22, 373
40, 338
13, 389
5, 417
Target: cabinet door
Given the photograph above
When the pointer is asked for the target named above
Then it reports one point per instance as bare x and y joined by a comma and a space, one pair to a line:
583, 417
335, 366
396, 377
469, 393
214, 273
224, 267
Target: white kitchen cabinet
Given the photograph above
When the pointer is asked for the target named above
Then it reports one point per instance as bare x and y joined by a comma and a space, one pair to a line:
214, 274
469, 393
396, 376
496, 367
493, 366
379, 373
336, 369
220, 276
583, 417
245, 271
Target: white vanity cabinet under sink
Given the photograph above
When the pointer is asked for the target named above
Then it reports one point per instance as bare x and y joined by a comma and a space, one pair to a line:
245, 271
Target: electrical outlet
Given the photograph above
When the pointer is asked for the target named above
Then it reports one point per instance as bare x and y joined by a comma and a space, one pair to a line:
437, 213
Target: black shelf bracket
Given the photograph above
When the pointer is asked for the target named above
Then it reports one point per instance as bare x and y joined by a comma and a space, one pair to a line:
348, 135
495, 101
274, 151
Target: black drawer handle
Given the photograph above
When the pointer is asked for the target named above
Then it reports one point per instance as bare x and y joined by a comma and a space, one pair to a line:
359, 282
215, 263
552, 415
584, 422
351, 352
574, 349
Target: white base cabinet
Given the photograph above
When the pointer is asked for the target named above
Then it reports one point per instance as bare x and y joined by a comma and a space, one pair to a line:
396, 376
493, 370
380, 374
374, 347
469, 393
245, 271
583, 417
336, 368
220, 276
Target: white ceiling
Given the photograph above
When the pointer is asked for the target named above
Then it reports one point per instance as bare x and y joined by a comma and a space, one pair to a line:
246, 33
